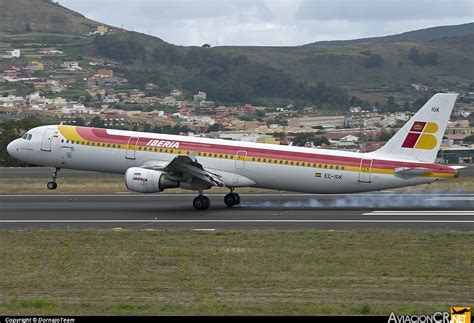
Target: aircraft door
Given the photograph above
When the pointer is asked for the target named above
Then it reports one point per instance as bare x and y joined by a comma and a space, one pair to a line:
365, 172
240, 159
47, 139
132, 148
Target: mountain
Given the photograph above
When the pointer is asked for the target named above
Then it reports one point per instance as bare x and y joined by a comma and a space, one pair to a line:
323, 74
421, 35
42, 16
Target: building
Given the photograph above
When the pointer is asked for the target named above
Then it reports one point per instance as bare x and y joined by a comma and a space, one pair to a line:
102, 29
324, 122
16, 53
72, 66
200, 96
37, 65
105, 73
456, 155
176, 93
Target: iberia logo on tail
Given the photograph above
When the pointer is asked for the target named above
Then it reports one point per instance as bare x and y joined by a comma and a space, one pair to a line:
421, 136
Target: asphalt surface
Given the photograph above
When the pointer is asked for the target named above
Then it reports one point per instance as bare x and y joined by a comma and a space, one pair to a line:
45, 172
257, 211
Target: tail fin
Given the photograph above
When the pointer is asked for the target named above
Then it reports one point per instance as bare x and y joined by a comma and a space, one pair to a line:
420, 138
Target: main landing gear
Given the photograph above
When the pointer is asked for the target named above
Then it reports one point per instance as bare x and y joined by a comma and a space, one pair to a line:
53, 185
232, 199
201, 202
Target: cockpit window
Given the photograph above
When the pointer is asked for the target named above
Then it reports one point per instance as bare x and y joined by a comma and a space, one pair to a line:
24, 136
29, 136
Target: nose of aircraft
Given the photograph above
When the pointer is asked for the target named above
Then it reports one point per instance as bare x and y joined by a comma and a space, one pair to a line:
11, 148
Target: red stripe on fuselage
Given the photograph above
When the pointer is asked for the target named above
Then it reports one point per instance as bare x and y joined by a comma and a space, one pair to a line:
101, 135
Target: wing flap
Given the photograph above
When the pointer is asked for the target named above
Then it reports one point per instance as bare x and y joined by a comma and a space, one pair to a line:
185, 167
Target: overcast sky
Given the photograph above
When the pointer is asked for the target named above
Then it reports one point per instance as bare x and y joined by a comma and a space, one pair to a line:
272, 22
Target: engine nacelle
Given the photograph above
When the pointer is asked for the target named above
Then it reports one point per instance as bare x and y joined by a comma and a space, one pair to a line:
148, 181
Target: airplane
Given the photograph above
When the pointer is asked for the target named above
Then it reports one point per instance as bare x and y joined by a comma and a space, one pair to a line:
153, 163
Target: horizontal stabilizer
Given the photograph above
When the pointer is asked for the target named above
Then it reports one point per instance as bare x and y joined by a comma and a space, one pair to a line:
407, 172
458, 167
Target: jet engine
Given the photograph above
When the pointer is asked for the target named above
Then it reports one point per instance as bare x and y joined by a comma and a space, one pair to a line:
148, 181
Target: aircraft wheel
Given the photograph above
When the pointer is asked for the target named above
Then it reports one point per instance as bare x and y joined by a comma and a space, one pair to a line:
237, 198
201, 203
208, 202
52, 185
230, 200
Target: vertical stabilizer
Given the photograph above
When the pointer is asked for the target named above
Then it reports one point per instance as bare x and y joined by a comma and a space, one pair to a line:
420, 138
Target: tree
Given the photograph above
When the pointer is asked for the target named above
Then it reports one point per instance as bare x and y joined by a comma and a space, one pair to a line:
469, 140
214, 127
319, 141
373, 61
422, 59
97, 122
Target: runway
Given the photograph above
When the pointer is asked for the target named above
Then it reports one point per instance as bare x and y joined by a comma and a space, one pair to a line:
45, 173
257, 212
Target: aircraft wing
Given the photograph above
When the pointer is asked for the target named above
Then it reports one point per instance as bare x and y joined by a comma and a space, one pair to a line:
185, 167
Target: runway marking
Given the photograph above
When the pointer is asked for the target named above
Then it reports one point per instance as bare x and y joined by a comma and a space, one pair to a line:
452, 198
414, 213
236, 221
130, 194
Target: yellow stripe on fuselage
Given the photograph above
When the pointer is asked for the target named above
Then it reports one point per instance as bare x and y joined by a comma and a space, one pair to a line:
71, 134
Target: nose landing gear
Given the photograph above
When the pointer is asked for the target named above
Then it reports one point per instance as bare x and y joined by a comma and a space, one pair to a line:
53, 185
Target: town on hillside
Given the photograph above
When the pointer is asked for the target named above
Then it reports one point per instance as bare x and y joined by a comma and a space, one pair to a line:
52, 87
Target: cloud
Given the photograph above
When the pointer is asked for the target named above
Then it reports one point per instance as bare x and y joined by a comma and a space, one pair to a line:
384, 10
272, 22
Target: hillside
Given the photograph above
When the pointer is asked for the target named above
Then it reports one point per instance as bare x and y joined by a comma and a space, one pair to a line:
316, 75
345, 64
421, 35
41, 16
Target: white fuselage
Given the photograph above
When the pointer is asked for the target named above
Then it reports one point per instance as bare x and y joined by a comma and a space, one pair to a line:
242, 164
